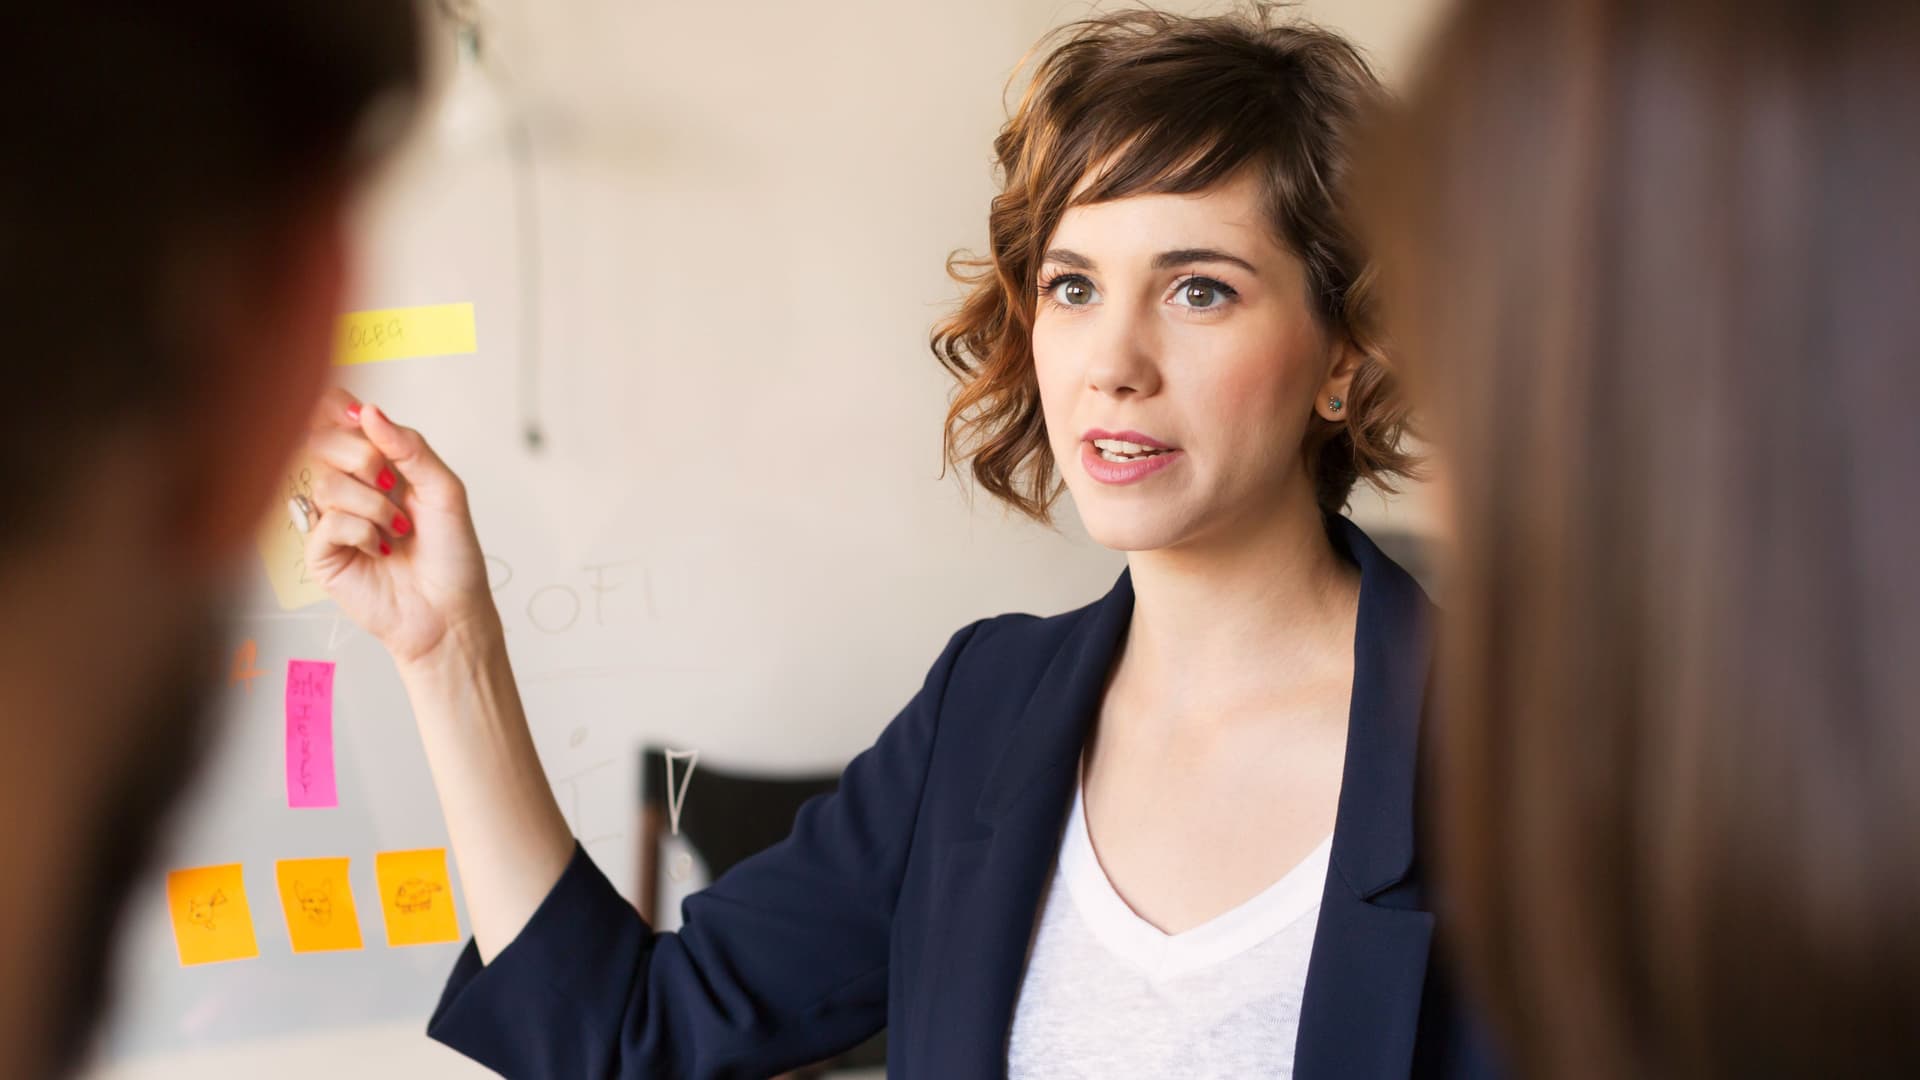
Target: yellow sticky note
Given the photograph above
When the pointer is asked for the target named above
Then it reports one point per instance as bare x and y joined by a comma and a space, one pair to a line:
318, 902
210, 917
284, 548
416, 896
403, 333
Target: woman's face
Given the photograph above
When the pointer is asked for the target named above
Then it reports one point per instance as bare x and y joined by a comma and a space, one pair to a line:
1179, 366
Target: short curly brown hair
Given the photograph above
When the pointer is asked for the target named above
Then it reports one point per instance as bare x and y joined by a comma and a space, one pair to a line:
1158, 103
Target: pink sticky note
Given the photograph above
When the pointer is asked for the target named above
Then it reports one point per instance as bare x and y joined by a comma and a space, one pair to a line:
310, 734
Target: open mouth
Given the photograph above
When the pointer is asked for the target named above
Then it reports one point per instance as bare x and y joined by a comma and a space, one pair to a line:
1121, 450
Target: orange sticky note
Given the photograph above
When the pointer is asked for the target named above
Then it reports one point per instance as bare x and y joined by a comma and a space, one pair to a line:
211, 921
416, 896
318, 902
283, 547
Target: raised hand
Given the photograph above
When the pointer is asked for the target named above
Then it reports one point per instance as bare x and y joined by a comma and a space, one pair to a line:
395, 544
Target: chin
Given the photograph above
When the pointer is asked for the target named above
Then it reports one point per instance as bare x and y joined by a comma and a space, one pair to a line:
1130, 529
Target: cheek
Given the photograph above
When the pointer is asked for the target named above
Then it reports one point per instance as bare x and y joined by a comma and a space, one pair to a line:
1253, 392
1258, 387
1056, 373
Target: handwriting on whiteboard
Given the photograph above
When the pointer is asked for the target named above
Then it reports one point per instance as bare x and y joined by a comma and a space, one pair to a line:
586, 598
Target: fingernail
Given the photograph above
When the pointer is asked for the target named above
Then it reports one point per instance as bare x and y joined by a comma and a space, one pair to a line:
353, 412
385, 480
400, 526
385, 549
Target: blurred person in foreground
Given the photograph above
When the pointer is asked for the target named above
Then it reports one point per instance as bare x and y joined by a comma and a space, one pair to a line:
173, 255
1655, 269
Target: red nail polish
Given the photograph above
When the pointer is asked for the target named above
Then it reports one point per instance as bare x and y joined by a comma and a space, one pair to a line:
384, 549
385, 480
353, 412
400, 525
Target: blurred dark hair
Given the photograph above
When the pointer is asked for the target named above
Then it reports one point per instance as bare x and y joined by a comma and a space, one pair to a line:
148, 143
1655, 267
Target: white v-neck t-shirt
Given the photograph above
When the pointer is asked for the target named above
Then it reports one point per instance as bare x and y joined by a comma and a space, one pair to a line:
1108, 996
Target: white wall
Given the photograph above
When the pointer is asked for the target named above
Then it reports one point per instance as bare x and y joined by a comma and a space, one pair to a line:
744, 208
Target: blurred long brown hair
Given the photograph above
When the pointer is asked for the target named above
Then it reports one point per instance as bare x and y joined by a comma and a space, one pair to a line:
1654, 267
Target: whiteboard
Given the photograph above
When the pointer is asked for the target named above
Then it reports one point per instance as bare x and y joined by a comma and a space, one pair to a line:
735, 536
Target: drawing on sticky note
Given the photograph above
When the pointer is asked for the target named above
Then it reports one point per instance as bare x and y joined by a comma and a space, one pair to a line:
317, 900
310, 776
415, 896
202, 911
682, 862
244, 669
208, 908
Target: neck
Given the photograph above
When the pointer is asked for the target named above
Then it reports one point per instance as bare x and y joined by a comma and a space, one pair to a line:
1222, 622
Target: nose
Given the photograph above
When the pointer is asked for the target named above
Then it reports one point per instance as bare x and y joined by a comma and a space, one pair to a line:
1125, 354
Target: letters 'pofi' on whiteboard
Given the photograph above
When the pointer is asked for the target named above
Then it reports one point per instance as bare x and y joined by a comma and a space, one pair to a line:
365, 337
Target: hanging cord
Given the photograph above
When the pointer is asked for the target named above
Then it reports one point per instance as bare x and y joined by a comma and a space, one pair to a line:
464, 15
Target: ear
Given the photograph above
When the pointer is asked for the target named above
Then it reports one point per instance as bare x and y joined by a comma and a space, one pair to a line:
269, 345
1334, 403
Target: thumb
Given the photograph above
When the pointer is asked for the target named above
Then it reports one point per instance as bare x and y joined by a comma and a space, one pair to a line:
410, 454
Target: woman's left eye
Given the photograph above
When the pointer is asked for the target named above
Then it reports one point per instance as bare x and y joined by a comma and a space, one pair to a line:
1203, 293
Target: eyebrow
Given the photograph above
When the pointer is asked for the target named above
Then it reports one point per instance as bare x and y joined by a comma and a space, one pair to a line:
1166, 260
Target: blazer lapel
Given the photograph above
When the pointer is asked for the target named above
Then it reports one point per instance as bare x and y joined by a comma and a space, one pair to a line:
997, 881
1365, 978
1368, 967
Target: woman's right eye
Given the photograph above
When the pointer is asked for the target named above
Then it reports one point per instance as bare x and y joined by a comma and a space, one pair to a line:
1071, 290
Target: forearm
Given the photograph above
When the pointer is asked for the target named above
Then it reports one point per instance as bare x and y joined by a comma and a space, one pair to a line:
507, 832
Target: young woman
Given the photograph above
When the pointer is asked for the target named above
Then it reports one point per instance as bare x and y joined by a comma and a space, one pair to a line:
1674, 369
1174, 322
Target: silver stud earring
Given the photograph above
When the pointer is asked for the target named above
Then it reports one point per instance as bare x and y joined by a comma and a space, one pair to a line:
1335, 404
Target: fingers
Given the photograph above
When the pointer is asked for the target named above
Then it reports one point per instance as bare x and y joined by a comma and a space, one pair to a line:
338, 409
336, 492
417, 462
338, 539
352, 454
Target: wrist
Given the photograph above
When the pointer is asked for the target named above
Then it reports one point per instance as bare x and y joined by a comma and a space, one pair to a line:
471, 648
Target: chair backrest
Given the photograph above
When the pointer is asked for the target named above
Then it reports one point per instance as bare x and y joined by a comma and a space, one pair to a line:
725, 815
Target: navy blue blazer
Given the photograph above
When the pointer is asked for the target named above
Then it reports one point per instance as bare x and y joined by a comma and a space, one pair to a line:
907, 898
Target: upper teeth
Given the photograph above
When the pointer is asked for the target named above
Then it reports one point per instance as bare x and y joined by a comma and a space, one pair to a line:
1121, 446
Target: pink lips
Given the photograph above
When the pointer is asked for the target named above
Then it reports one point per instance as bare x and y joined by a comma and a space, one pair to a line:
1124, 472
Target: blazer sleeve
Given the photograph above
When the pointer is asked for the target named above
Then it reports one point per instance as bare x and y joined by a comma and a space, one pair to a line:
780, 962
